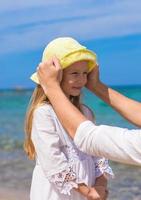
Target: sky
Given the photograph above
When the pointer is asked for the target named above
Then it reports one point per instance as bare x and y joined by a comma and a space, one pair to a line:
110, 28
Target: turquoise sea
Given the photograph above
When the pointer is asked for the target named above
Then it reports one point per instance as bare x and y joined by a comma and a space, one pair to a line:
16, 169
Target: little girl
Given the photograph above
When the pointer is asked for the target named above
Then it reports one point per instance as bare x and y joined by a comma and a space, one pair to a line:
62, 171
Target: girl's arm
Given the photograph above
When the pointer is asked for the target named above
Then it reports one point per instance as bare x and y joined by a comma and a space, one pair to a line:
83, 189
101, 182
101, 185
92, 193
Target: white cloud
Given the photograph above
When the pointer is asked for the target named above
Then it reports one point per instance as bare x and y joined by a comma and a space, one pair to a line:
26, 28
8, 5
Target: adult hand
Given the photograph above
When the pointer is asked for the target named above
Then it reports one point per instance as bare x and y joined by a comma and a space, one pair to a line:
93, 78
49, 73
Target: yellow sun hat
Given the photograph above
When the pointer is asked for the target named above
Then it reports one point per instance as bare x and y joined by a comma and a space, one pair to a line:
68, 51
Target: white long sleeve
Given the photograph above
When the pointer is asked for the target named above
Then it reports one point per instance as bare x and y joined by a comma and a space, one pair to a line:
117, 144
49, 156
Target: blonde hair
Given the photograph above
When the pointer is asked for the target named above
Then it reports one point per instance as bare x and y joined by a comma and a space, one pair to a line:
38, 98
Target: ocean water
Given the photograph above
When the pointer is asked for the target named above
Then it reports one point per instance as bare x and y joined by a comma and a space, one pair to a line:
16, 169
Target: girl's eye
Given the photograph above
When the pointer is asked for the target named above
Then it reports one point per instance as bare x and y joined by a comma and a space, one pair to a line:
78, 73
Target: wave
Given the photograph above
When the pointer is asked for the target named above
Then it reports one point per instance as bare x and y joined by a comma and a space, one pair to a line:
8, 144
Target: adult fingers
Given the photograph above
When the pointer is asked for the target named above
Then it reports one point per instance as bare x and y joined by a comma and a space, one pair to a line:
58, 68
56, 63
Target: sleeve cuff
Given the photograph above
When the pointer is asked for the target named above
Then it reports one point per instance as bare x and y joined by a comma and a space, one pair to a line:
83, 129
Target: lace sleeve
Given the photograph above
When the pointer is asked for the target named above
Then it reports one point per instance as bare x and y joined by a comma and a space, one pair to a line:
65, 180
49, 154
102, 167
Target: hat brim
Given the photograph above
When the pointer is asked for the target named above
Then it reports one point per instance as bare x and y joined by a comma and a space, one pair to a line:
71, 58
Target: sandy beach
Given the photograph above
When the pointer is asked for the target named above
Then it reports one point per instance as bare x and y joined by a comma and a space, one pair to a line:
13, 194
15, 175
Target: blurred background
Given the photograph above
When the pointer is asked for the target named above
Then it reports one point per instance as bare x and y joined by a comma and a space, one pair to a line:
110, 28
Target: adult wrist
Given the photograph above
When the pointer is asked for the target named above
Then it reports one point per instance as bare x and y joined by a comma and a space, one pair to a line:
96, 87
50, 87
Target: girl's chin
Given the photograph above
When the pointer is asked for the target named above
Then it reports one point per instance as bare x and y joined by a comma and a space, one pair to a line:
75, 94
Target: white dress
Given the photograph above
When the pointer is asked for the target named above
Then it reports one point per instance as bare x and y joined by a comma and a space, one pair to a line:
60, 166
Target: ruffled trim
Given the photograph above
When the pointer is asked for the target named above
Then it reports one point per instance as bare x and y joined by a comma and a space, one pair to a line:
67, 179
80, 172
64, 180
102, 167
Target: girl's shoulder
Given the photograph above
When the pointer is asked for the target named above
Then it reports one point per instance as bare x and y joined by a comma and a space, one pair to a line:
44, 108
87, 112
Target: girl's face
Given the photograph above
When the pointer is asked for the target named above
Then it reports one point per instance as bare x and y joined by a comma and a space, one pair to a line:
74, 78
